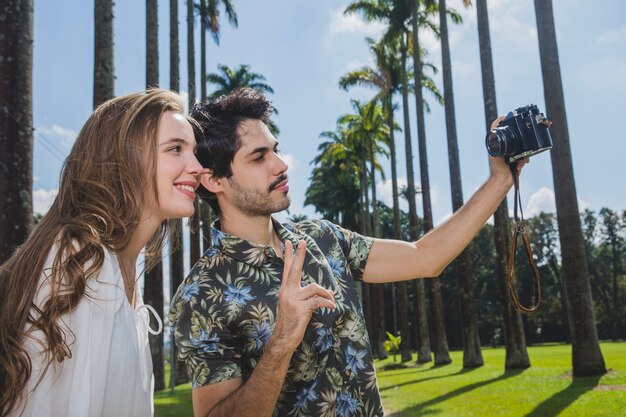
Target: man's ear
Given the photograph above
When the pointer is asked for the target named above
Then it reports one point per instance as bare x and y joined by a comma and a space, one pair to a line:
210, 181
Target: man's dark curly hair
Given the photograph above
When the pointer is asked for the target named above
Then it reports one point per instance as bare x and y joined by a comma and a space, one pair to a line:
218, 137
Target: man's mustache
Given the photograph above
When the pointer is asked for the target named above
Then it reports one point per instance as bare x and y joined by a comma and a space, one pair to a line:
278, 181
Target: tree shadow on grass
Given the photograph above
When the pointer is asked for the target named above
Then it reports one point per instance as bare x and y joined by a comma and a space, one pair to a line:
417, 381
563, 399
425, 408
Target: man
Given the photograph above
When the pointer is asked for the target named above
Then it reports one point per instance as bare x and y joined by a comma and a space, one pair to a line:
258, 345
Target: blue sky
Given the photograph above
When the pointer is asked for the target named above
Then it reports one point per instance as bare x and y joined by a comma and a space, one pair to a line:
303, 47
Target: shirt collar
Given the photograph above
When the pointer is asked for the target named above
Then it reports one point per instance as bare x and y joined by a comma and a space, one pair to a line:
248, 252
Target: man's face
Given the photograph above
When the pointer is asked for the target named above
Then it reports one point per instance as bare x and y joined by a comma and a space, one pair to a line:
259, 185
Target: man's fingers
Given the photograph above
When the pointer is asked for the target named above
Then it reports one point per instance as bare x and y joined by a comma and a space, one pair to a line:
295, 270
313, 290
316, 302
287, 262
496, 122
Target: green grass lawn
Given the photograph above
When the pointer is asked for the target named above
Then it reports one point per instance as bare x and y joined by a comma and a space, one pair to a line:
545, 389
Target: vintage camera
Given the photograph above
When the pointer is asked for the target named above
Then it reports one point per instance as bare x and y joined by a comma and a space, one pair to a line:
523, 133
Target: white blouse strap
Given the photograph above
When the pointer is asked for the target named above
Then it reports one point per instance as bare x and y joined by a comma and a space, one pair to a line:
156, 317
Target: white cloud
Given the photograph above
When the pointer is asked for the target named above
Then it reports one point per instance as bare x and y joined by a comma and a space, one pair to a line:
353, 24
462, 67
290, 160
42, 199
385, 194
613, 36
542, 200
63, 136
506, 22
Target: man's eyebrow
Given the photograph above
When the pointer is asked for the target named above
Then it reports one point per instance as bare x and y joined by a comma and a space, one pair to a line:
262, 150
259, 150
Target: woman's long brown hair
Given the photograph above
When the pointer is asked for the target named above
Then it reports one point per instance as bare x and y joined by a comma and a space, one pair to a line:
108, 174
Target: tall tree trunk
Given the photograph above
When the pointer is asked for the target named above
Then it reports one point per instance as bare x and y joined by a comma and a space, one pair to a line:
437, 320
174, 47
194, 220
175, 240
153, 283
178, 371
587, 358
472, 355
16, 124
375, 226
204, 209
152, 44
153, 296
103, 68
373, 296
516, 353
366, 230
405, 351
203, 29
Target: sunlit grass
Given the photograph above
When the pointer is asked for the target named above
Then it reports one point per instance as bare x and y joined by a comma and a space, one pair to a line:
545, 389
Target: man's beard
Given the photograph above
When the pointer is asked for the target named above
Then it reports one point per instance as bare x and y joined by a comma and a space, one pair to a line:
257, 202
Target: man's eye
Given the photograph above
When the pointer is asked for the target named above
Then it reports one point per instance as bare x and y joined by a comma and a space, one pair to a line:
258, 158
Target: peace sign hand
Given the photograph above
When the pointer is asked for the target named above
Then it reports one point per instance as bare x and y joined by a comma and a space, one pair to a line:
296, 304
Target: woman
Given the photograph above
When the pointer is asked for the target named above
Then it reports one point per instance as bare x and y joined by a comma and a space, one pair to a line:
73, 329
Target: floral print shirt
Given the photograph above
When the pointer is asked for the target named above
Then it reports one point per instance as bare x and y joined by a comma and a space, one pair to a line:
225, 311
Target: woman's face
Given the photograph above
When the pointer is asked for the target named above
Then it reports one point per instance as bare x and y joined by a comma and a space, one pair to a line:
177, 168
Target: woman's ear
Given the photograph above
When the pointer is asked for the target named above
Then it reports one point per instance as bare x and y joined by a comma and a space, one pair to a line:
210, 181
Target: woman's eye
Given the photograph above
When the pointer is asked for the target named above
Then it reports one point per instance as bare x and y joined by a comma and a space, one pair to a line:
176, 149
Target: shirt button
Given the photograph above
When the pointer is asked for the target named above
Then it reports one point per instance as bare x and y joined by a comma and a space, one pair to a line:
267, 251
348, 372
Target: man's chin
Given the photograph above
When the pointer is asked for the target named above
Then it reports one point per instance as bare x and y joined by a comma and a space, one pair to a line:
284, 205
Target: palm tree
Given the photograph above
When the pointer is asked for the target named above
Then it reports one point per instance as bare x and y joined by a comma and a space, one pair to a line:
368, 127
103, 69
175, 241
194, 223
153, 283
210, 20
382, 79
472, 355
334, 184
516, 353
587, 358
370, 131
420, 18
395, 13
227, 80
16, 125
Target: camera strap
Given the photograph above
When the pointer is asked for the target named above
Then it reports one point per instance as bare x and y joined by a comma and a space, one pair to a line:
520, 229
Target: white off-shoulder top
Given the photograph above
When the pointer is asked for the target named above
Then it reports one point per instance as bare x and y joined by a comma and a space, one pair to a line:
110, 370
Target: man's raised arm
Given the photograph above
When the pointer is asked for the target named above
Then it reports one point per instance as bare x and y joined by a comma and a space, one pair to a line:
393, 260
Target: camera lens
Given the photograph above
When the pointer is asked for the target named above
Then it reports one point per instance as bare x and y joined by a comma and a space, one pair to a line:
500, 141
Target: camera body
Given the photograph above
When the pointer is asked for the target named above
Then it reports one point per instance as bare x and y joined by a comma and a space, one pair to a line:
523, 133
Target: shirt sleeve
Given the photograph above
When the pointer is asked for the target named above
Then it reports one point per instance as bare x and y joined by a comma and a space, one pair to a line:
205, 343
355, 246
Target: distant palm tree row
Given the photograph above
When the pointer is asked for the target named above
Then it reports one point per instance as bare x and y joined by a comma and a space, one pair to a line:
343, 182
